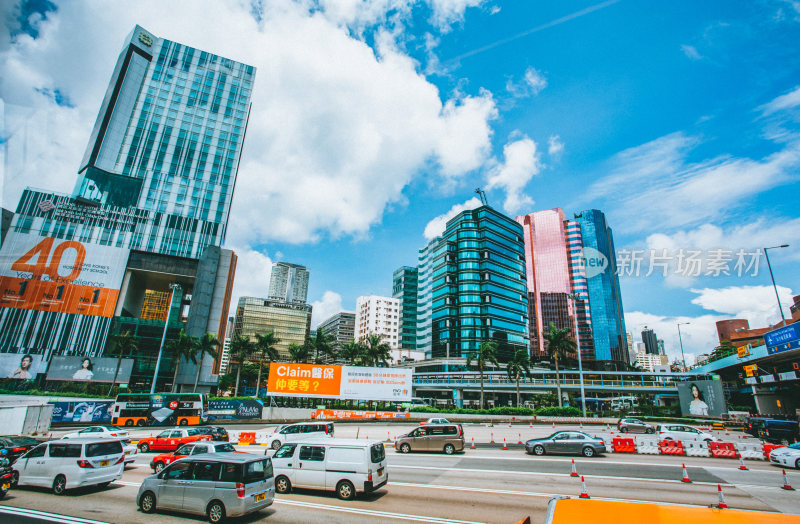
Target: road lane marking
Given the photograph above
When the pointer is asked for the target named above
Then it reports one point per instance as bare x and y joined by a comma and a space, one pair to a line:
373, 513
541, 474
50, 517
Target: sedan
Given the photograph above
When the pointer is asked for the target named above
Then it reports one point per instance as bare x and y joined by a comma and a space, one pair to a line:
573, 442
16, 446
683, 433
435, 421
159, 462
99, 432
787, 456
130, 452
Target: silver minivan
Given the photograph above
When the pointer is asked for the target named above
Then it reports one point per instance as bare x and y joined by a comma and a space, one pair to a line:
223, 486
448, 438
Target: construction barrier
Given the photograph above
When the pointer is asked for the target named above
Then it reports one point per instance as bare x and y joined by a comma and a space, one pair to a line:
671, 447
247, 437
697, 449
623, 445
648, 446
767, 449
723, 450
751, 451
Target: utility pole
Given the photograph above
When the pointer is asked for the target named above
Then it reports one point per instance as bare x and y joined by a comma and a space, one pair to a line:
780, 307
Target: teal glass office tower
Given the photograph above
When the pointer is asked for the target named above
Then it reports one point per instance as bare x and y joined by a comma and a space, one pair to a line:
405, 282
478, 291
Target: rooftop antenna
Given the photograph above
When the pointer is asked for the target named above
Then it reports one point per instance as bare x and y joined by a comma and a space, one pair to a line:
481, 194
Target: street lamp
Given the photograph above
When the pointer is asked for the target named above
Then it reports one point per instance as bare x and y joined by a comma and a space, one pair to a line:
173, 286
683, 357
580, 361
773, 279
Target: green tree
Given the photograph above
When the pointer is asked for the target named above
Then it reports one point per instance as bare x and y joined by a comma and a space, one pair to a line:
298, 353
375, 350
724, 349
323, 345
264, 347
208, 344
559, 345
487, 353
520, 364
184, 348
241, 350
351, 353
123, 344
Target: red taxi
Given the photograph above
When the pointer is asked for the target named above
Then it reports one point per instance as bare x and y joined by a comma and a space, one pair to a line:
170, 440
159, 462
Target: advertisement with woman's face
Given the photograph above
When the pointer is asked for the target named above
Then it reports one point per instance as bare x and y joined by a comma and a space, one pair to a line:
22, 366
702, 398
89, 369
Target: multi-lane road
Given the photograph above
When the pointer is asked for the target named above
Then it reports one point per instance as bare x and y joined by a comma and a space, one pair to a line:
481, 485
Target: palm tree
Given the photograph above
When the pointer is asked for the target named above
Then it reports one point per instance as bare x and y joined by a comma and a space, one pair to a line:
264, 347
487, 352
124, 344
184, 347
298, 353
206, 345
241, 349
323, 345
517, 365
375, 351
351, 353
559, 345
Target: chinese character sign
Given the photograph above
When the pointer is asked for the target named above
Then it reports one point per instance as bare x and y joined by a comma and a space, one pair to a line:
343, 382
360, 383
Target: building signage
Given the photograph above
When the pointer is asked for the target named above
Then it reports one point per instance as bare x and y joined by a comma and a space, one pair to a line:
702, 398
767, 378
743, 351
22, 366
751, 370
338, 414
783, 339
342, 382
789, 375
146, 39
83, 411
62, 276
751, 380
234, 409
89, 369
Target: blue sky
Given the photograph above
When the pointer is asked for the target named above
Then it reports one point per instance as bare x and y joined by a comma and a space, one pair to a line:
371, 119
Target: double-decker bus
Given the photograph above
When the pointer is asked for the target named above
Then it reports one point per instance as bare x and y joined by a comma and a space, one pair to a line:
160, 409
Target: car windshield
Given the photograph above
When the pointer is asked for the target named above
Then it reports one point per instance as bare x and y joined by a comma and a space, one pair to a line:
259, 470
103, 448
377, 453
224, 448
796, 445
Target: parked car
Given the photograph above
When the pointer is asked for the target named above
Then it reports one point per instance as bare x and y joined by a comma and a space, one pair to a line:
435, 421
448, 438
171, 439
159, 462
62, 465
779, 431
683, 433
300, 431
634, 425
217, 433
218, 486
347, 466
569, 442
787, 456
99, 432
16, 446
130, 451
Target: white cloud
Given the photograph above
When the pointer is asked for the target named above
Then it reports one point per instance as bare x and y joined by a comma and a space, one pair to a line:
788, 101
337, 130
448, 12
691, 52
555, 147
699, 336
327, 306
358, 14
253, 269
522, 162
757, 304
436, 227
531, 84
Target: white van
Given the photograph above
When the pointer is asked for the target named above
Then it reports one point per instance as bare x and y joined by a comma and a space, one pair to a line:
347, 466
71, 463
297, 432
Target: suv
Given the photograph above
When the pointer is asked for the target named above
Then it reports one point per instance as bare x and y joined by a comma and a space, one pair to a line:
753, 425
777, 431
634, 425
298, 432
218, 486
217, 433
683, 433
448, 438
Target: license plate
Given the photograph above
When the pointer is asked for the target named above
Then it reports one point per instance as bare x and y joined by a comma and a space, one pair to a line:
104, 462
6, 486
260, 497
380, 472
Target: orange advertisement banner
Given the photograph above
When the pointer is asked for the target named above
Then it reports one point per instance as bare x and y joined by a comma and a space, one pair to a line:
41, 295
304, 380
323, 414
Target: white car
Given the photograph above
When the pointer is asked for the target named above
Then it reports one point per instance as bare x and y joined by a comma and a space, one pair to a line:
435, 421
683, 433
300, 431
99, 432
130, 451
788, 456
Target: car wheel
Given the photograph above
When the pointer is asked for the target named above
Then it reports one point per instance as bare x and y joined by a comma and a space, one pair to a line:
667, 438
708, 441
129, 423
183, 422
216, 512
15, 479
59, 485
159, 467
649, 431
345, 490
104, 485
148, 502
282, 485
276, 444
797, 464
449, 449
144, 447
405, 448
140, 423
538, 450
588, 451
623, 430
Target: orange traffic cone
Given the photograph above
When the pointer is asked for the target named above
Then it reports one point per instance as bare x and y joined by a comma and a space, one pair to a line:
685, 474
504, 443
554, 426
741, 464
473, 443
721, 504
786, 484
388, 438
519, 435
491, 441
584, 494
574, 472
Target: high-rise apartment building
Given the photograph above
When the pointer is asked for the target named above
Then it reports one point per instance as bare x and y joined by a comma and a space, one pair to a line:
288, 282
377, 315
405, 283
425, 297
342, 326
650, 341
476, 276
146, 219
291, 323
225, 354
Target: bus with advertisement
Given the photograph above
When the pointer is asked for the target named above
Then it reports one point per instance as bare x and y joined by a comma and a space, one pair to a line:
160, 409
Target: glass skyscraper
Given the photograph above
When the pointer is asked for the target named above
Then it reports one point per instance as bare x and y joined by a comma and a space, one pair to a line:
288, 282
405, 282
